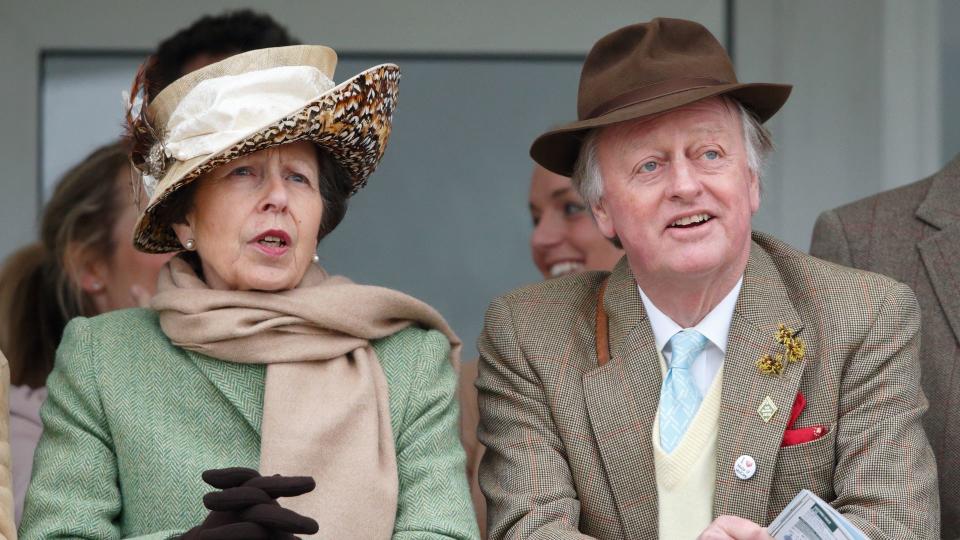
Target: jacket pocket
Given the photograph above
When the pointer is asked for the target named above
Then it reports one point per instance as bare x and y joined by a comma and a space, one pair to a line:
809, 456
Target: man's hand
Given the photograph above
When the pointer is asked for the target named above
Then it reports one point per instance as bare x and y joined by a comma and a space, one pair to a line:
734, 528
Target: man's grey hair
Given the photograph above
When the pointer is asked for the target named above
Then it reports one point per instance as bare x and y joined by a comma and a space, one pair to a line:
586, 171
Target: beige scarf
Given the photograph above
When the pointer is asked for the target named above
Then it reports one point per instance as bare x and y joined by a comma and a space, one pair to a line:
326, 405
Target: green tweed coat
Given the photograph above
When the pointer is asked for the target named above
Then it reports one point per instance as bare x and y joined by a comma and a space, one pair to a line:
131, 421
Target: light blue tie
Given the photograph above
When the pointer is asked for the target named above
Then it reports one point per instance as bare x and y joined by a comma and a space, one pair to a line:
679, 397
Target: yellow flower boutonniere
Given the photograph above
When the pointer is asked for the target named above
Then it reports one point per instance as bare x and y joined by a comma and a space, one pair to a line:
793, 351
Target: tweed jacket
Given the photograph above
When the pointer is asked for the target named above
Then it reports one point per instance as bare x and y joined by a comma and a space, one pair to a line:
569, 444
131, 421
912, 234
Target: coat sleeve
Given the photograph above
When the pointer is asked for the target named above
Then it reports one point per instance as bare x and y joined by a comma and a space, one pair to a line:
829, 240
7, 530
524, 473
885, 477
73, 491
434, 501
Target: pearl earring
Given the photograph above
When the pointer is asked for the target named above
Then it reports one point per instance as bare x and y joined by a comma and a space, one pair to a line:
190, 244
316, 258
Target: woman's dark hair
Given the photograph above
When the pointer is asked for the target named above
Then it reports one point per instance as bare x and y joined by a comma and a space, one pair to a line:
226, 34
37, 295
335, 186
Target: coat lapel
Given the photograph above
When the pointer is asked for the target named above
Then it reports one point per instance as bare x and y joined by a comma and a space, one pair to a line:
622, 399
940, 251
763, 304
232, 381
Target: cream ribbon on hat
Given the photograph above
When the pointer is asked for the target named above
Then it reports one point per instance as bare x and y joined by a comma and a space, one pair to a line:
221, 111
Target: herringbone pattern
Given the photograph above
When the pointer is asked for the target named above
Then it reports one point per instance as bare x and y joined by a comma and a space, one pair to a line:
132, 421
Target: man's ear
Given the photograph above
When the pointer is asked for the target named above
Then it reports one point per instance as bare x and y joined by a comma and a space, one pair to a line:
603, 219
89, 272
755, 189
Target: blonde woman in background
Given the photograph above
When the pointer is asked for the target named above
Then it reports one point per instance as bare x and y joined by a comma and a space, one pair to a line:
565, 240
84, 264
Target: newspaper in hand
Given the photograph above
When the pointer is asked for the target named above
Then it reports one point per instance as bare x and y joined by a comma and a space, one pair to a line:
808, 517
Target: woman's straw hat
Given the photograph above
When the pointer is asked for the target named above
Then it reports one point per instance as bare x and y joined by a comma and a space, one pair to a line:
256, 100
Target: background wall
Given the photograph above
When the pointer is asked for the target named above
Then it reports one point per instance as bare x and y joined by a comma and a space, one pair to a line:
865, 112
445, 218
949, 48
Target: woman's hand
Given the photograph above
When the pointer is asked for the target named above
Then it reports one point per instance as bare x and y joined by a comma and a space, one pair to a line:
734, 528
246, 506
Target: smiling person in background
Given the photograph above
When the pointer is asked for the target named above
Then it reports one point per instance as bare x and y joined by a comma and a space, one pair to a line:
252, 359
565, 240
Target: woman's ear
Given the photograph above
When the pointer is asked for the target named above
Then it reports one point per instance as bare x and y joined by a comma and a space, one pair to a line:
184, 232
89, 272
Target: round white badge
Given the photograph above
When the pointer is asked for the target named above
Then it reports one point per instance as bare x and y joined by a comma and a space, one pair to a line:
745, 467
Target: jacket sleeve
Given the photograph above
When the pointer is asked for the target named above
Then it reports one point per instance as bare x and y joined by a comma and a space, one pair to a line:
524, 473
434, 501
885, 477
73, 491
7, 530
829, 240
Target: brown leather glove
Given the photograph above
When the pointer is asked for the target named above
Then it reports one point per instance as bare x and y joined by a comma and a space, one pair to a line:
246, 507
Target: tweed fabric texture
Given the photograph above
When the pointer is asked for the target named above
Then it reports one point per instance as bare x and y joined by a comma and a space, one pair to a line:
912, 234
132, 421
569, 445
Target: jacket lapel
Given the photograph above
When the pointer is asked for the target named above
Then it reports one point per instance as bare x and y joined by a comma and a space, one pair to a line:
940, 251
622, 399
235, 382
763, 304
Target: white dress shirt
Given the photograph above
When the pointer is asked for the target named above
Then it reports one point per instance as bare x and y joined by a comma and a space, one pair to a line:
715, 327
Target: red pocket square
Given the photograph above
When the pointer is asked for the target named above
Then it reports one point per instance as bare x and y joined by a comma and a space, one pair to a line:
793, 436
802, 435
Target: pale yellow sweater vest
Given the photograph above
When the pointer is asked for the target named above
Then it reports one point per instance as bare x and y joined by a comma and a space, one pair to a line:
686, 477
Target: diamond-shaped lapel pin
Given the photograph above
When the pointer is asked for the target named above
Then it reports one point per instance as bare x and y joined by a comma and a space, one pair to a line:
767, 409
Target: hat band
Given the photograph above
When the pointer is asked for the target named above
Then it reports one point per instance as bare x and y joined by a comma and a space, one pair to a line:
223, 110
654, 91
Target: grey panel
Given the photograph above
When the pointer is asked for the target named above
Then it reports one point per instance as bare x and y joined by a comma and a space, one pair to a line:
950, 77
81, 108
445, 216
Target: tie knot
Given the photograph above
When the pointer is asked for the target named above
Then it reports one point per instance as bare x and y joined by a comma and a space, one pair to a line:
685, 346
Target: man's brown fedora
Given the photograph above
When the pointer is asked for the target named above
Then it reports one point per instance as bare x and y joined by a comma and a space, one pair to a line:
645, 69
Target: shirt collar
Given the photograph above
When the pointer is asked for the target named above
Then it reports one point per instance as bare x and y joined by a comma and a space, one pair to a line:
715, 326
